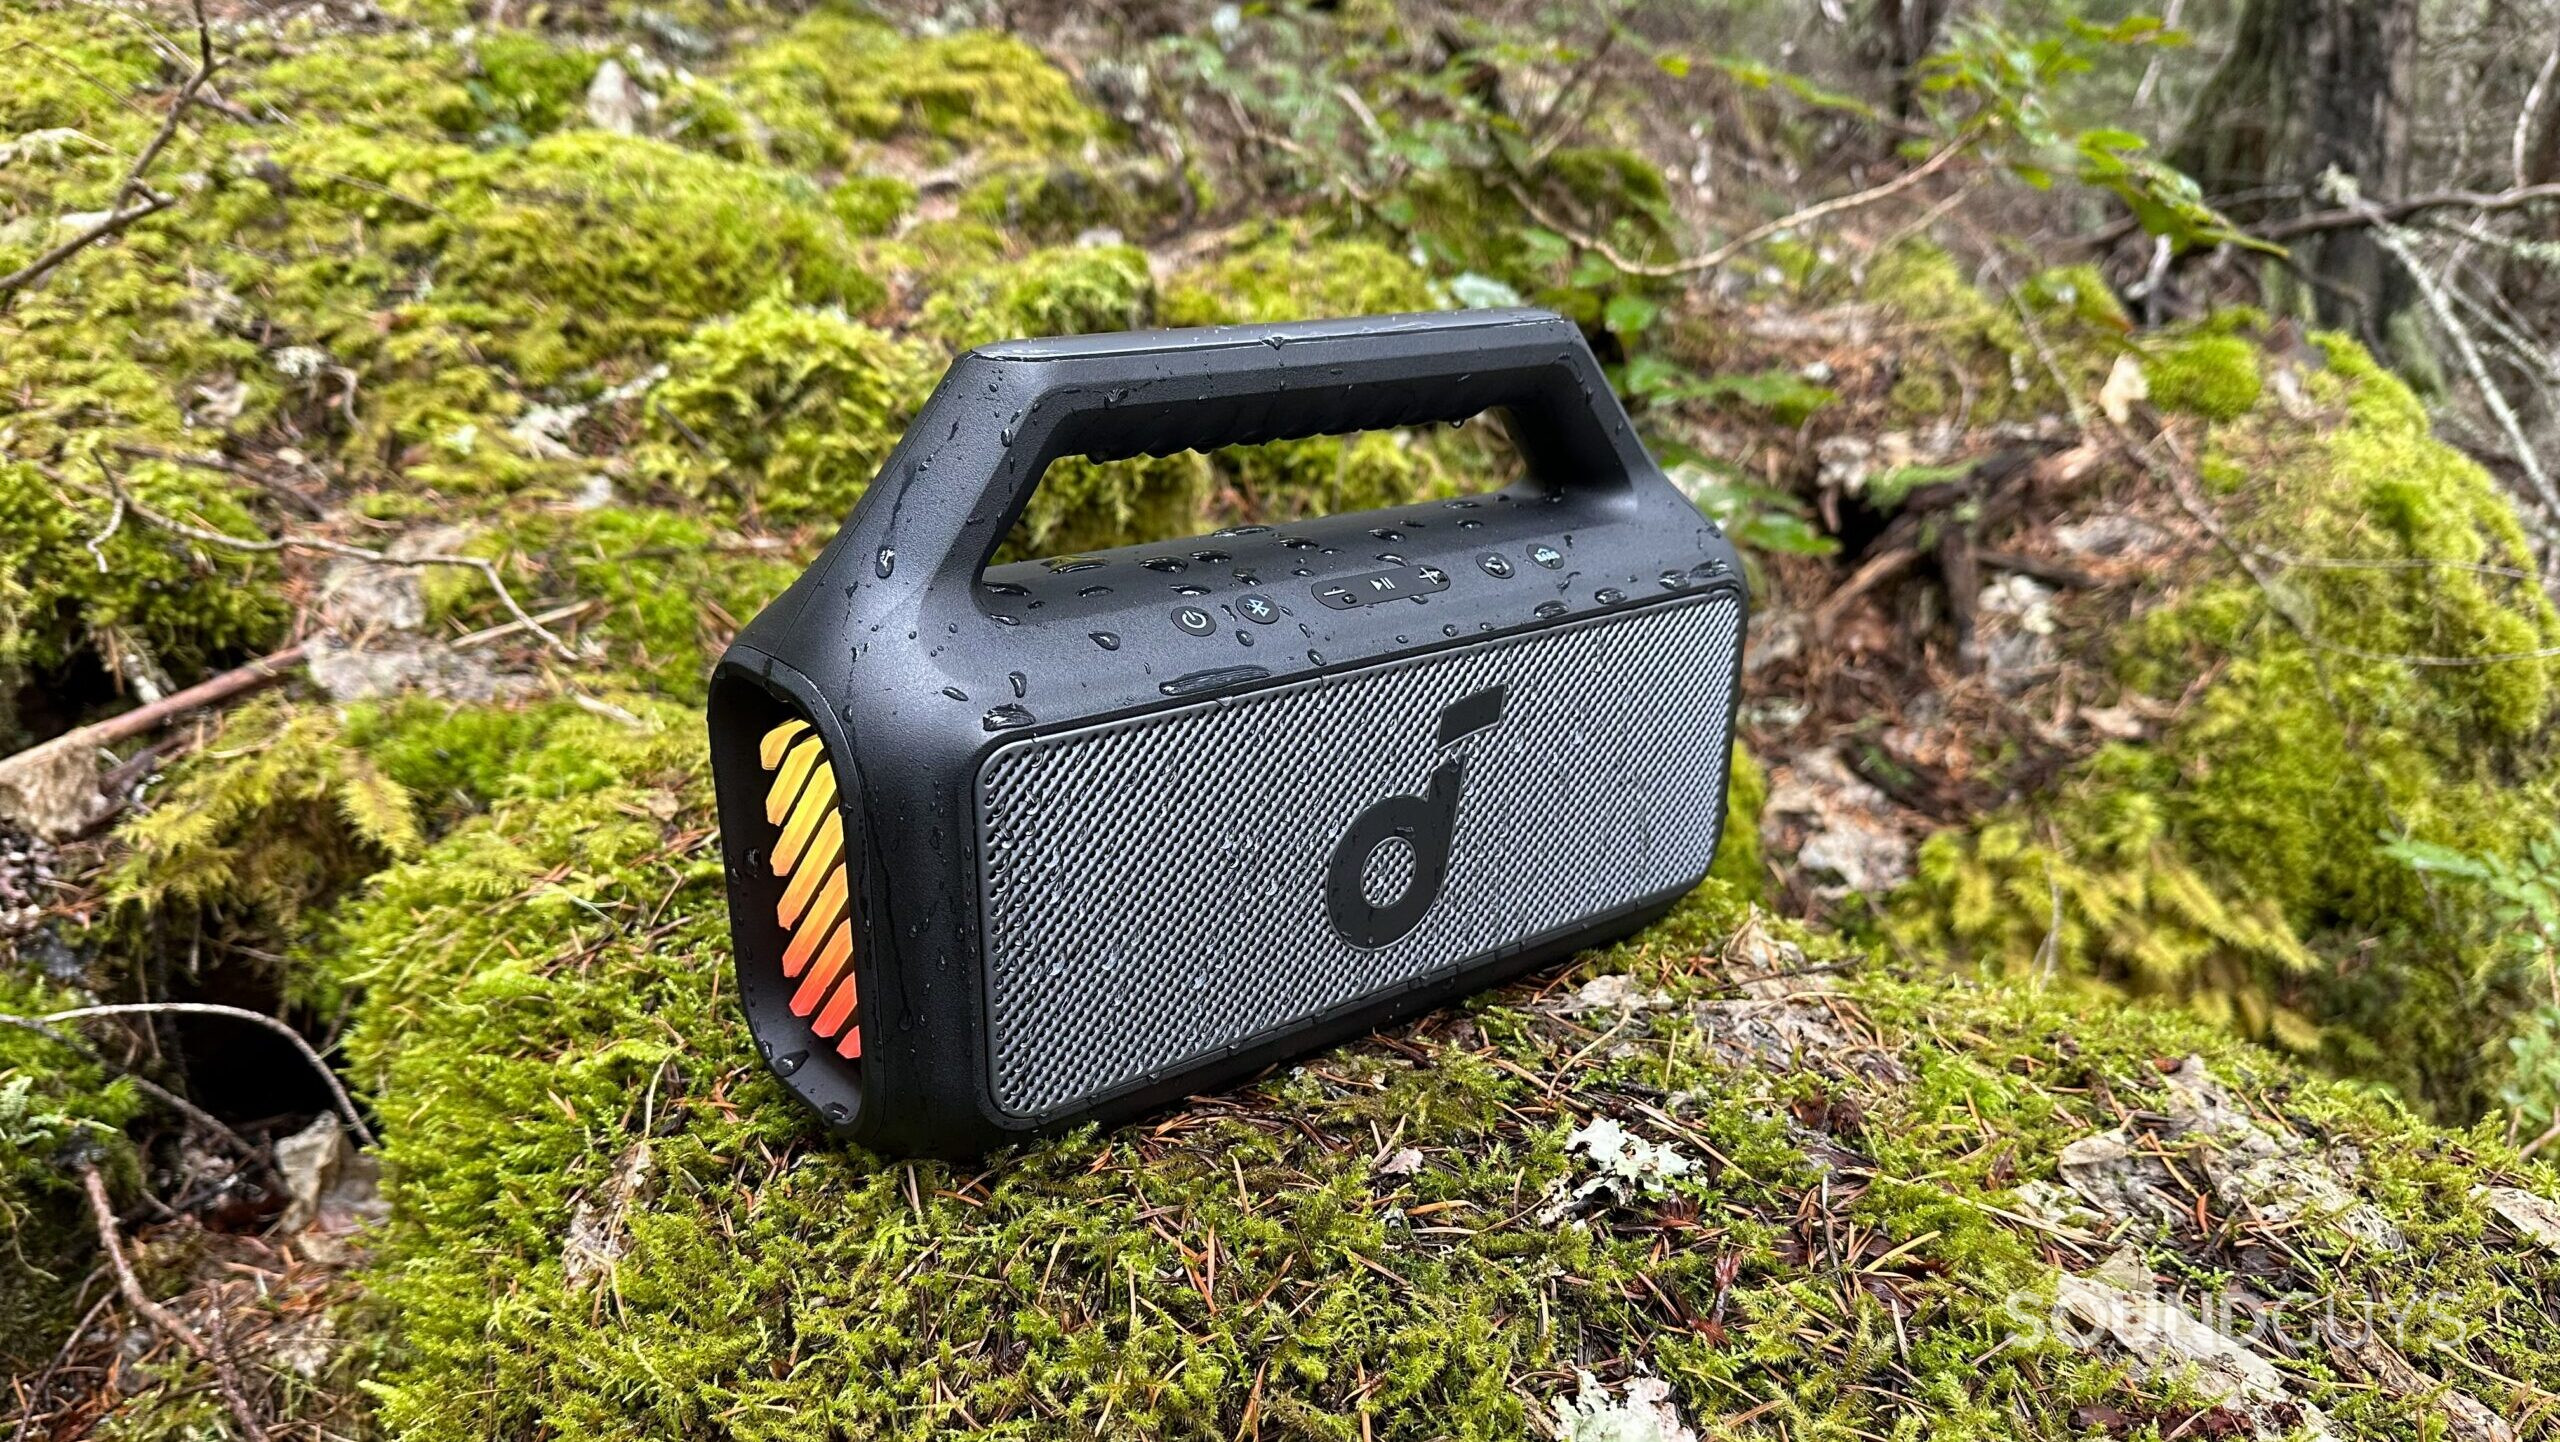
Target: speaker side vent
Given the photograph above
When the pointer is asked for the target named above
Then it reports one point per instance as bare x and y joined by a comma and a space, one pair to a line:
807, 857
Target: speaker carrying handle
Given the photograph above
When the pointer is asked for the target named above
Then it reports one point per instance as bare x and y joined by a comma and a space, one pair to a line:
951, 491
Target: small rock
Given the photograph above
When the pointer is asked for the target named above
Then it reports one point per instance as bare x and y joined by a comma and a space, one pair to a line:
309, 1161
615, 101
2534, 1219
1616, 992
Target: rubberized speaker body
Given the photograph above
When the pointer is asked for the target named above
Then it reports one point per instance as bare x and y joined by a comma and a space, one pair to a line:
1011, 848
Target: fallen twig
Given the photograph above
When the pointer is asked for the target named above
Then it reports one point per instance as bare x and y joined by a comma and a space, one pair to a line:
134, 198
346, 1104
269, 545
53, 786
1696, 264
143, 1084
224, 1380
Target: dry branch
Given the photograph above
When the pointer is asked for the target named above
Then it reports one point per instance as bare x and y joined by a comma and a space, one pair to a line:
346, 1104
1724, 253
126, 208
224, 1380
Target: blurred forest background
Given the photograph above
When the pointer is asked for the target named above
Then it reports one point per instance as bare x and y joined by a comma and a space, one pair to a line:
2143, 426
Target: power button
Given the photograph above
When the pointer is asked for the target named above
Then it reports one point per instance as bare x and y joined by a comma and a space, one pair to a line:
1194, 620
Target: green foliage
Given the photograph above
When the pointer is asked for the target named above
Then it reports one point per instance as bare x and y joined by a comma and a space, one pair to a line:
2522, 922
783, 411
2216, 863
1994, 88
1739, 863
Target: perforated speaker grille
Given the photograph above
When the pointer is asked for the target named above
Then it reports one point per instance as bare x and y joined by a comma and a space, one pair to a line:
1153, 890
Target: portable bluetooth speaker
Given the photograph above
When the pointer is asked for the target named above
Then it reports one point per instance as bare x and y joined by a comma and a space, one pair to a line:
1013, 847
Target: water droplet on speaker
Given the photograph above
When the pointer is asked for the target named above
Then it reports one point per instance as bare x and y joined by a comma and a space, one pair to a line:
839, 1113
1106, 640
1550, 609
1005, 718
1608, 595
885, 562
1021, 683
1095, 591
1003, 620
790, 1062
1314, 657
1449, 630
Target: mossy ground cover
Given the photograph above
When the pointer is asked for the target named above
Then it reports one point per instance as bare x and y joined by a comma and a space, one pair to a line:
643, 372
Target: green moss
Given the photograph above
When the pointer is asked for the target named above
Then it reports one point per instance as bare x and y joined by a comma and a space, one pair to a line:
2234, 862
1052, 198
1739, 863
812, 94
670, 589
694, 238
1295, 273
566, 1068
1069, 290
871, 205
188, 604
284, 813
500, 86
2213, 376
782, 411
1986, 357
56, 1106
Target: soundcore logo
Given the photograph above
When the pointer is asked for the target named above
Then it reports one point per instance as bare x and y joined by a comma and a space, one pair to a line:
1387, 870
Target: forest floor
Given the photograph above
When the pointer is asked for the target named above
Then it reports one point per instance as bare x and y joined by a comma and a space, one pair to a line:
2054, 1053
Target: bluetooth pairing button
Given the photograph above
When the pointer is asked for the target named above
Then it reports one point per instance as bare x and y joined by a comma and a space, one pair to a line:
1260, 610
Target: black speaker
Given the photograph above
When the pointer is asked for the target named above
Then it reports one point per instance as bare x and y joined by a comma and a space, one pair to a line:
1014, 847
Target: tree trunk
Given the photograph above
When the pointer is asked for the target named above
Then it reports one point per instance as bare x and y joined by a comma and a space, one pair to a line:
2313, 86
1909, 29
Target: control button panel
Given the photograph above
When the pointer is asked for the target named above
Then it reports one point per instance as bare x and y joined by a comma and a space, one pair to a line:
1375, 586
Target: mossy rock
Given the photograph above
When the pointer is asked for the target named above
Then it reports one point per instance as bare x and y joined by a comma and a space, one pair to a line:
1983, 357
813, 94
190, 605
1463, 222
2213, 376
1067, 290
1056, 198
782, 411
1297, 273
582, 1123
2236, 861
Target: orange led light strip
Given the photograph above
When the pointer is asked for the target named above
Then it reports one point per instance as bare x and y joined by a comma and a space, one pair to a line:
808, 856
